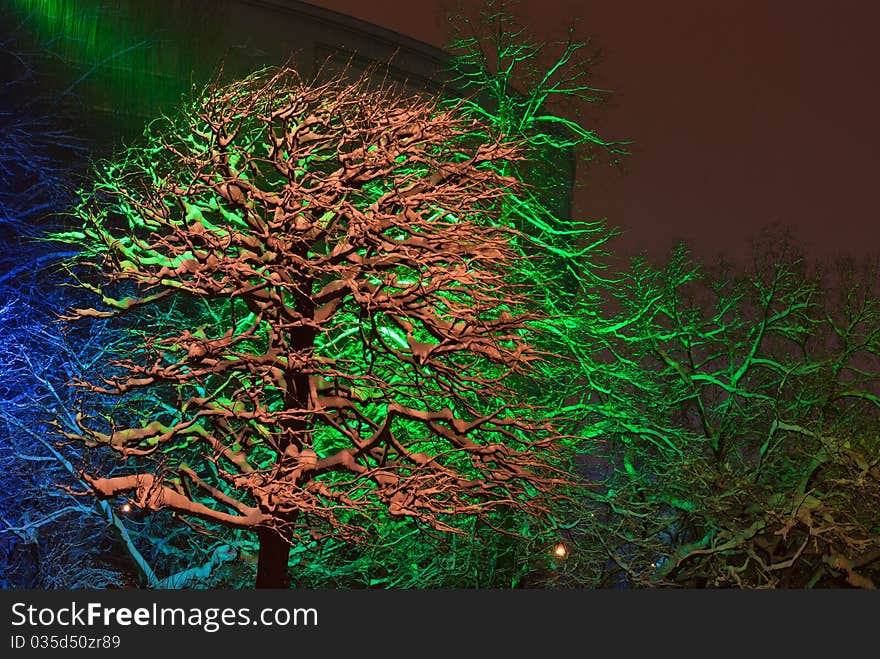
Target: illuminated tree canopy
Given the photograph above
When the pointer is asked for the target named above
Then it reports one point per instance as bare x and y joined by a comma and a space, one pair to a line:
324, 321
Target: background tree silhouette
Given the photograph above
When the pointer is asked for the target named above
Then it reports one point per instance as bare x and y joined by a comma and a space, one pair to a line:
326, 325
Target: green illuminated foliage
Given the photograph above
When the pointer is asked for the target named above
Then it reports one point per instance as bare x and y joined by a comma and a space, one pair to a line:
535, 93
741, 414
118, 48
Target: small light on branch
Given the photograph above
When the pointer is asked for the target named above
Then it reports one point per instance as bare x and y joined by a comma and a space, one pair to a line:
126, 508
560, 550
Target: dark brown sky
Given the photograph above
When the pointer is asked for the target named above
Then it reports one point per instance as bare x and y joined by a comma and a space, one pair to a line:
743, 112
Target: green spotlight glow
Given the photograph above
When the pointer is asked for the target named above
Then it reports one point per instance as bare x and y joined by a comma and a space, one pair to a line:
131, 57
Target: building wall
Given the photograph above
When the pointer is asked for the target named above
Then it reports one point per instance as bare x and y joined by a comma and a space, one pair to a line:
136, 58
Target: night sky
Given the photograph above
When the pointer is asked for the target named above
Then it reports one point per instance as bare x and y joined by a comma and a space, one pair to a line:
742, 113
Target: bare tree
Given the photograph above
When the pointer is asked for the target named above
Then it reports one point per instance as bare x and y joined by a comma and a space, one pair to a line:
741, 410
540, 94
543, 94
354, 337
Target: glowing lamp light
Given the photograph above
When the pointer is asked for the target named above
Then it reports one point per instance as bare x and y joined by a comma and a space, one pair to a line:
126, 507
560, 550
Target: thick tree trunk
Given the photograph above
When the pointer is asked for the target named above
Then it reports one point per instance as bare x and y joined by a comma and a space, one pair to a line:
272, 560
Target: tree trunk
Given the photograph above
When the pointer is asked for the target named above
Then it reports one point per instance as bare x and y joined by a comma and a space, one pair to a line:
272, 560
